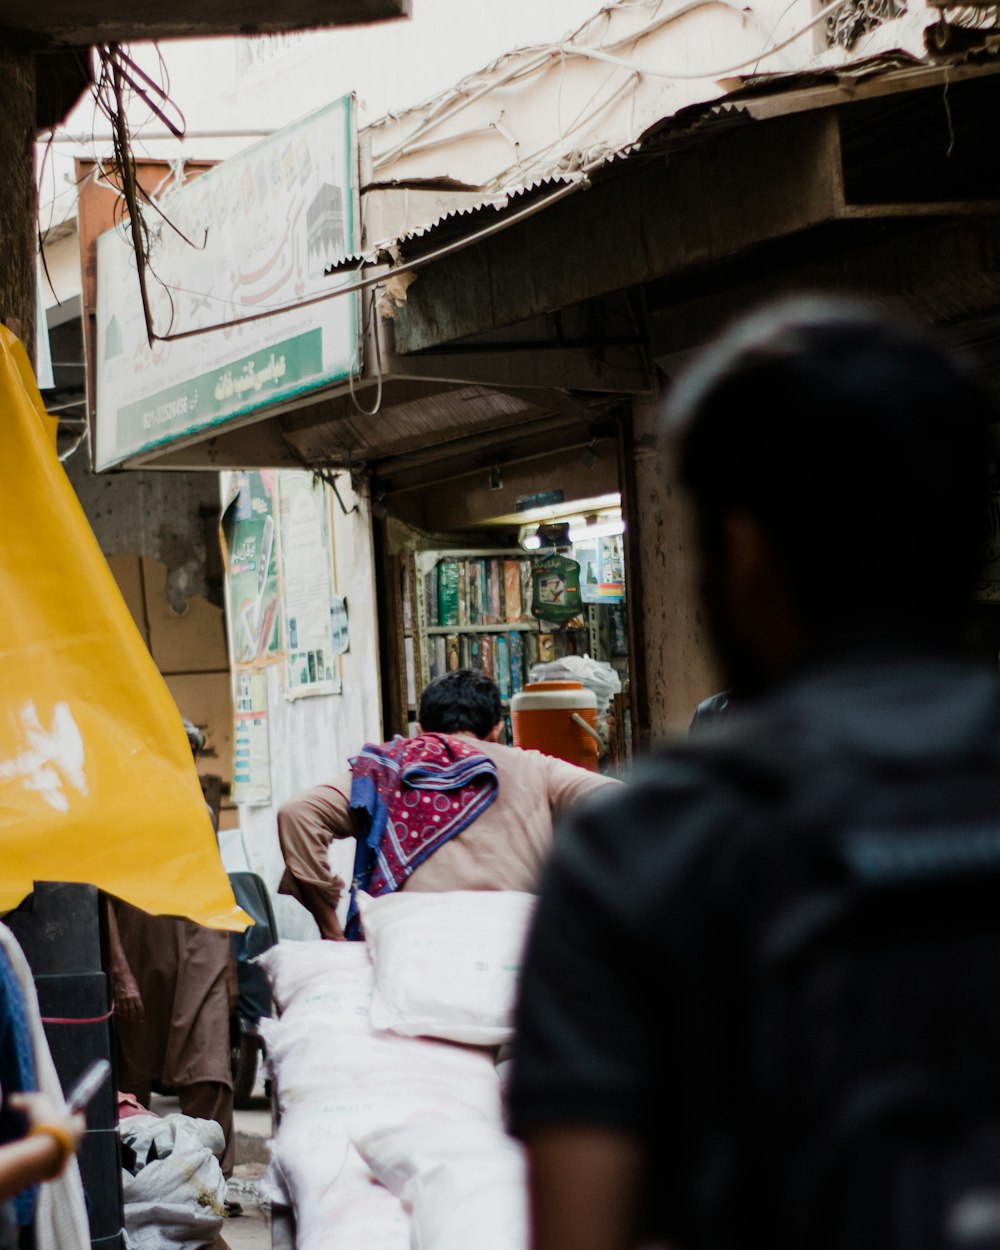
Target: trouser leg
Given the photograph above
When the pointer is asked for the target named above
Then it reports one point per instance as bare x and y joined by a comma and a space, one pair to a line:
211, 1100
141, 1091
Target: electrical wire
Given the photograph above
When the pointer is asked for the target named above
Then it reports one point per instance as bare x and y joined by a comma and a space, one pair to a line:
655, 72
418, 262
368, 325
83, 436
441, 111
459, 97
543, 155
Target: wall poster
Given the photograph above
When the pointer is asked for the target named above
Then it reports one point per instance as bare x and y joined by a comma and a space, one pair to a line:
248, 527
306, 547
251, 750
602, 568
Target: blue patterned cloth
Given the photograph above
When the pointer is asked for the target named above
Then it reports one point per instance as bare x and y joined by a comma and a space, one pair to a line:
17, 1072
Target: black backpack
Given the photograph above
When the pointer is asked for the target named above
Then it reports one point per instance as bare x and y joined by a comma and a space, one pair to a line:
849, 1080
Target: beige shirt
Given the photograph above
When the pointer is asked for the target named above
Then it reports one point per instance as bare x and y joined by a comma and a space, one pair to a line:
503, 849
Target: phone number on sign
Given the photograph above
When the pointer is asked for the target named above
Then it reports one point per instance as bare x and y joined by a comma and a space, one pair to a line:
165, 413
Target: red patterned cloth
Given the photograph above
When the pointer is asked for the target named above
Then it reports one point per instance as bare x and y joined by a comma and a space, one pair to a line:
416, 794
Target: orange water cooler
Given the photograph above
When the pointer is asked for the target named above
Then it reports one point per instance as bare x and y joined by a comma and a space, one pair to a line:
558, 718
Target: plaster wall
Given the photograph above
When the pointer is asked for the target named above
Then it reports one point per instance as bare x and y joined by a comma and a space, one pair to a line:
62, 258
678, 662
311, 739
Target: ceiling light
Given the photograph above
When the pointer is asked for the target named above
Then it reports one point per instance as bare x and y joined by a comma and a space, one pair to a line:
603, 529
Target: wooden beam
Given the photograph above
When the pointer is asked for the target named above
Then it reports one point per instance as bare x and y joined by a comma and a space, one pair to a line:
466, 502
648, 219
617, 370
945, 272
18, 214
84, 22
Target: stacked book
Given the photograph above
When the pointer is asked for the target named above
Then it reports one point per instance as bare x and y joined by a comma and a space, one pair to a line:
506, 657
490, 590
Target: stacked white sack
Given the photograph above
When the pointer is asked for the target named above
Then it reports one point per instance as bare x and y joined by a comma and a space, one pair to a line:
447, 965
463, 1185
339, 1079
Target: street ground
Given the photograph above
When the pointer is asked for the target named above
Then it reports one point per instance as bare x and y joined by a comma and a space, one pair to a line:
252, 1229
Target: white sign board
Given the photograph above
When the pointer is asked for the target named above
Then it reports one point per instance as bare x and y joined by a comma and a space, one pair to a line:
260, 229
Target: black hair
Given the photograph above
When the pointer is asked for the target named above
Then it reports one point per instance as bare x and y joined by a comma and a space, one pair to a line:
858, 444
460, 701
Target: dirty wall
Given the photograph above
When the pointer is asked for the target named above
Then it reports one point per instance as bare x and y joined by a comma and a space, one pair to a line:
293, 733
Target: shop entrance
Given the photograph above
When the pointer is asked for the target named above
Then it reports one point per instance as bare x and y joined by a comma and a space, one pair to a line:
534, 585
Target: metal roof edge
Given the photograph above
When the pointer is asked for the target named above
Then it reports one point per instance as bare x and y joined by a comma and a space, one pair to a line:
757, 98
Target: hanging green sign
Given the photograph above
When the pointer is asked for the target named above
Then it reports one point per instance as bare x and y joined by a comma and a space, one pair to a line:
555, 589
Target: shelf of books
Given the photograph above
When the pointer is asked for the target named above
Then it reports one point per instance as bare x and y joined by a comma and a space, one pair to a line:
472, 609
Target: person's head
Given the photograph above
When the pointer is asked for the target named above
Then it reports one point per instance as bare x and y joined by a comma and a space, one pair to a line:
461, 702
837, 463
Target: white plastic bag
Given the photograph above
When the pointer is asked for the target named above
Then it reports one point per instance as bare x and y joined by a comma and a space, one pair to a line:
464, 1185
595, 675
447, 965
177, 1200
272, 1186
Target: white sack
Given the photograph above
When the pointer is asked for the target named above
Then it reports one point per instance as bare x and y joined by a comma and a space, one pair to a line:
447, 965
177, 1201
312, 981
464, 1185
143, 1131
336, 1198
329, 978
331, 1081
361, 1082
272, 1186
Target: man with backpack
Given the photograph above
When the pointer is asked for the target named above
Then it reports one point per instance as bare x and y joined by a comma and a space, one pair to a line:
761, 1001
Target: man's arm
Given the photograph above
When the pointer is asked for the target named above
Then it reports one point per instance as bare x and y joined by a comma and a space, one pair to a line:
306, 827
569, 785
586, 1186
53, 1138
127, 998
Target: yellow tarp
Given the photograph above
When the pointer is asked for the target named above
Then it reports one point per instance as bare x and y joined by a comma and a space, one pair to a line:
97, 782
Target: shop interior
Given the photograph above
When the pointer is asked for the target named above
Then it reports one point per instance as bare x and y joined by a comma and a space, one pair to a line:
532, 586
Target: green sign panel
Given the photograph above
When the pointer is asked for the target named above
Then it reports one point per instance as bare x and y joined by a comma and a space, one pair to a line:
273, 373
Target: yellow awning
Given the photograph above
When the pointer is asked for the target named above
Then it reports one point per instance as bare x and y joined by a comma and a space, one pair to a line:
97, 781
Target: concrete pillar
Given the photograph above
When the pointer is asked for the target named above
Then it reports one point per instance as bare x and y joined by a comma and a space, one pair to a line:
675, 665
18, 219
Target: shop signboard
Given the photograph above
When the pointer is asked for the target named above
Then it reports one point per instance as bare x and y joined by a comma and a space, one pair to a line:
254, 233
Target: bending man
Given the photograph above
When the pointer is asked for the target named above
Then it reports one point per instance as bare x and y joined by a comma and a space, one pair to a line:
451, 809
